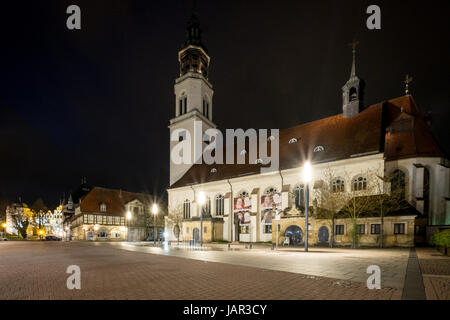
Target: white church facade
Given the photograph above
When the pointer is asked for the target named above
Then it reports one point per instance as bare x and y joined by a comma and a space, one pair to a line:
360, 153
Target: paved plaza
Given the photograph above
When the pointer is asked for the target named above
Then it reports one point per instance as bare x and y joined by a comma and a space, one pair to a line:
37, 270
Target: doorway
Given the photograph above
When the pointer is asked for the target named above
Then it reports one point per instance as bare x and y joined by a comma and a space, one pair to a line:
324, 235
295, 235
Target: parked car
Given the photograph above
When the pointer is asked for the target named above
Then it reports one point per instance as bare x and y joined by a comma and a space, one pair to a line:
52, 238
3, 239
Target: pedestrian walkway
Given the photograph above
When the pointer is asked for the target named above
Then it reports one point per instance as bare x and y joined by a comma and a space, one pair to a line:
435, 269
337, 263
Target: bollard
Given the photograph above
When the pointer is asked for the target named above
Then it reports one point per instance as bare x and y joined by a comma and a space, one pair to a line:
251, 245
229, 246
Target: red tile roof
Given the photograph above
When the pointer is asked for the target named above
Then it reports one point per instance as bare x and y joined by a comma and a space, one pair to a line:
341, 138
115, 200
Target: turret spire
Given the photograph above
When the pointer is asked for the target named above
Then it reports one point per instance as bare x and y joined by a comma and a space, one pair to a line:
354, 44
352, 90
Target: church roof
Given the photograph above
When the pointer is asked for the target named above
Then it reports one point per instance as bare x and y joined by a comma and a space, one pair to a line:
115, 200
376, 129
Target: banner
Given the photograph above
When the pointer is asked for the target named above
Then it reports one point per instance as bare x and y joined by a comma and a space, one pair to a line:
242, 206
268, 204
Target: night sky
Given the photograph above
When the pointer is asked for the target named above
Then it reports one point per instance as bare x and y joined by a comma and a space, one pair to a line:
97, 102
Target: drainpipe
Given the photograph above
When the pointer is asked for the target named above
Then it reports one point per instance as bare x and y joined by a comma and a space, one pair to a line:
231, 215
193, 190
281, 190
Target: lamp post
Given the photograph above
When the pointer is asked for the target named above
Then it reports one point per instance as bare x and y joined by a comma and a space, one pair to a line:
128, 225
201, 202
155, 212
307, 173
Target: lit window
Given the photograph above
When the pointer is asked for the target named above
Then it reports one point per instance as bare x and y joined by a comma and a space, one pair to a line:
103, 207
319, 149
338, 185
359, 183
187, 209
219, 205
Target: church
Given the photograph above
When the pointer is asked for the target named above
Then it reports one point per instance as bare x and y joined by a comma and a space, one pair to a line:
373, 159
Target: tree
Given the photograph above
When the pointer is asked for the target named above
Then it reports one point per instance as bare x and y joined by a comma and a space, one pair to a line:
331, 197
22, 219
390, 198
360, 200
39, 209
176, 219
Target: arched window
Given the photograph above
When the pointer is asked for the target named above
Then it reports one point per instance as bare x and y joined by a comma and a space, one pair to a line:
207, 211
270, 190
187, 209
353, 95
398, 184
338, 185
243, 193
102, 233
299, 193
206, 108
219, 205
359, 183
182, 104
102, 207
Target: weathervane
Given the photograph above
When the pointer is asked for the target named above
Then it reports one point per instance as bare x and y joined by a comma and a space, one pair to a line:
354, 44
407, 82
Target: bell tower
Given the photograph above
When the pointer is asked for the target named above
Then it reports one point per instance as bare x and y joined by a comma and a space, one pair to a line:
193, 97
352, 91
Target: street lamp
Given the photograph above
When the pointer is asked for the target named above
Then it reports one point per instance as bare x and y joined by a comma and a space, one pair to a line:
155, 212
307, 175
201, 201
128, 225
3, 229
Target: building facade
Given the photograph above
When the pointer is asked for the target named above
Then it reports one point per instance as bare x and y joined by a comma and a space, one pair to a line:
370, 152
114, 215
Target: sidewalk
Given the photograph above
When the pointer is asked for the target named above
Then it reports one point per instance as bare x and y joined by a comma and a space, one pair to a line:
435, 269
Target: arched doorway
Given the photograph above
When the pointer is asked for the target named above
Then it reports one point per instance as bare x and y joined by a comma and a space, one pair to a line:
324, 235
295, 235
196, 235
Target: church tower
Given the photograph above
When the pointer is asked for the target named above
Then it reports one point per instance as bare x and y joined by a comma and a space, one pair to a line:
193, 97
352, 91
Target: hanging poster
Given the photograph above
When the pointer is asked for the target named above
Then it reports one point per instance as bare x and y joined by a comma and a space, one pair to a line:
242, 207
269, 203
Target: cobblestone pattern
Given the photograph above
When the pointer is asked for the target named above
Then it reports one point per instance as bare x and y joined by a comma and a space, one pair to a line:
435, 266
36, 270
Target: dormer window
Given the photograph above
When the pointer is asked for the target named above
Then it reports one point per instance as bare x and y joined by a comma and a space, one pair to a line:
213, 170
293, 140
103, 207
319, 149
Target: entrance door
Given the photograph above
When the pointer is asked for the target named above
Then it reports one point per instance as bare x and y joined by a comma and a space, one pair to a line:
295, 235
196, 235
323, 235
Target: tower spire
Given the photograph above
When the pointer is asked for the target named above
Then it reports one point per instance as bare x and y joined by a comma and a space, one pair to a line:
352, 90
354, 44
